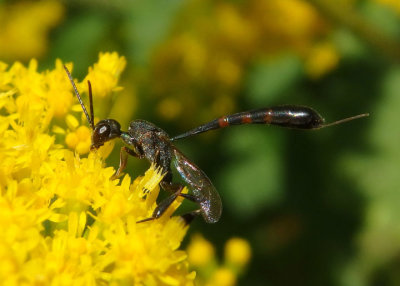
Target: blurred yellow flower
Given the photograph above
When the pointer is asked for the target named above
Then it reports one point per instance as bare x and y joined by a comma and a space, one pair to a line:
234, 29
321, 59
25, 26
228, 72
222, 277
208, 54
64, 222
210, 272
200, 251
237, 251
169, 108
287, 24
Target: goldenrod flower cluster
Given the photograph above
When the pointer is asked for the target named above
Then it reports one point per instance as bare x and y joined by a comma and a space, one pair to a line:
63, 221
210, 272
215, 42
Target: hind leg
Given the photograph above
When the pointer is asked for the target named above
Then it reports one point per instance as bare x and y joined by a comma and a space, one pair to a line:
163, 205
173, 188
189, 217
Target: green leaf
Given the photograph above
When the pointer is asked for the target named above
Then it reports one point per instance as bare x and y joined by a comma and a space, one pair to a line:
78, 40
148, 23
253, 178
268, 80
377, 174
382, 17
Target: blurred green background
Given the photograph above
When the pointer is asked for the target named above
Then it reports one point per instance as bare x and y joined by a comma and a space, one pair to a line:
319, 207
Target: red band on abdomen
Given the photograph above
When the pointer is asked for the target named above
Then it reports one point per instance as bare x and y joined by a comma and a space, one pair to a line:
223, 122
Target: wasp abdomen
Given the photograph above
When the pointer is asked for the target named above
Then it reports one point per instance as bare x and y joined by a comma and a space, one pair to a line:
291, 116
300, 117
286, 116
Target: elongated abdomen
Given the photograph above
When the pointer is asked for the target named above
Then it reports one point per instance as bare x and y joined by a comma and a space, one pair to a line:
291, 116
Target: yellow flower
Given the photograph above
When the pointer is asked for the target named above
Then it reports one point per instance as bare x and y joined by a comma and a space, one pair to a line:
63, 220
5, 78
58, 91
79, 140
104, 74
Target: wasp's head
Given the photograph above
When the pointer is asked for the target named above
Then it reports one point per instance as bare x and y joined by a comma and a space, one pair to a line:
104, 131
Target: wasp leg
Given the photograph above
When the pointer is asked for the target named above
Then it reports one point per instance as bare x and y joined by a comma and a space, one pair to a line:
190, 198
123, 159
171, 187
162, 206
189, 217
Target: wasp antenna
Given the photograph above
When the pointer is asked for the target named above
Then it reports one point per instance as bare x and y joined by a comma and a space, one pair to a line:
79, 97
344, 120
91, 104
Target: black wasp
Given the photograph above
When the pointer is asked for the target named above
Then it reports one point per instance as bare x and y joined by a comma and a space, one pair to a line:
145, 140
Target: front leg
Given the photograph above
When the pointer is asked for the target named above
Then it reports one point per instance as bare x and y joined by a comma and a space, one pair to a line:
123, 159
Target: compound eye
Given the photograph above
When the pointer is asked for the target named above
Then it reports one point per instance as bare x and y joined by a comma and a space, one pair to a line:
100, 135
104, 130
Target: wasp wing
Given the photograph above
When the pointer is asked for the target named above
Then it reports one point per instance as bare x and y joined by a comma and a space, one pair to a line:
201, 187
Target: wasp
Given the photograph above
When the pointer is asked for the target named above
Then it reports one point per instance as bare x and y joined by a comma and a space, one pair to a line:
145, 140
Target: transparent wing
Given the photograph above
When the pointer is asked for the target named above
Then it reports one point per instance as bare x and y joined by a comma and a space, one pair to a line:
201, 187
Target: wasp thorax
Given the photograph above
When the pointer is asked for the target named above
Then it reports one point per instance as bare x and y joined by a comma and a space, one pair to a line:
104, 131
